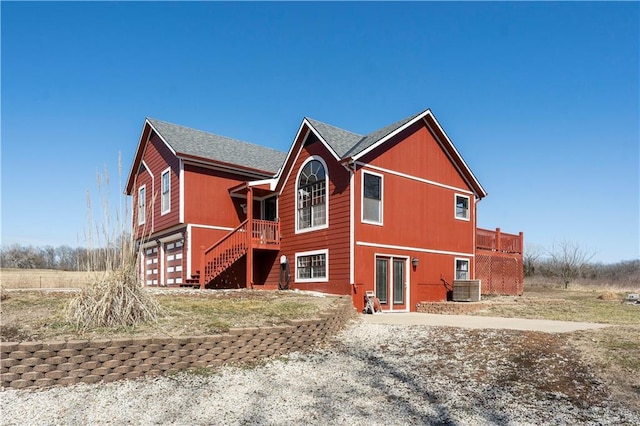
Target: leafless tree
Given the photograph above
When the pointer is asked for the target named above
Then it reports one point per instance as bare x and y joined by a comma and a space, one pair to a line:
531, 259
567, 260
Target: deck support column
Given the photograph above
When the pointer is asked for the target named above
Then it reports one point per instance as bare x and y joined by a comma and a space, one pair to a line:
249, 283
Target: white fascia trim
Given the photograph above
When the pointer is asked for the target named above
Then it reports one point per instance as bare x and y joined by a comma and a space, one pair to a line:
315, 132
294, 159
133, 164
326, 265
392, 134
181, 195
161, 138
220, 228
278, 175
188, 253
272, 183
416, 178
326, 196
450, 143
352, 238
168, 210
455, 207
226, 169
418, 249
362, 219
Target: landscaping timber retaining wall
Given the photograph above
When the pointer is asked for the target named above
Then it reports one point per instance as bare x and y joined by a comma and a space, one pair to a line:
42, 364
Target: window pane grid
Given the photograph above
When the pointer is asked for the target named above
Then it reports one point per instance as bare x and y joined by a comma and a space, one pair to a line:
312, 266
312, 196
462, 269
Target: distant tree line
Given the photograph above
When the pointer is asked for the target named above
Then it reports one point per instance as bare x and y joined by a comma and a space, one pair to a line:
61, 257
568, 261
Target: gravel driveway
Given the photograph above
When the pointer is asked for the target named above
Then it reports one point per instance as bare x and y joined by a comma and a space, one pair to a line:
373, 374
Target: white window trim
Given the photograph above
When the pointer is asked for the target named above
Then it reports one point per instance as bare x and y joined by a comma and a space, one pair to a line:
143, 219
455, 267
326, 264
362, 219
164, 211
326, 196
455, 207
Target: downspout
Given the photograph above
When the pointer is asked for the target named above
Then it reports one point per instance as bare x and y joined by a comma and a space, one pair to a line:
350, 165
249, 279
475, 233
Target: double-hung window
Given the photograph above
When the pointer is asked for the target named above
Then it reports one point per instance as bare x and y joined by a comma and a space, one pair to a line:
462, 207
166, 192
312, 196
142, 204
312, 266
372, 198
462, 269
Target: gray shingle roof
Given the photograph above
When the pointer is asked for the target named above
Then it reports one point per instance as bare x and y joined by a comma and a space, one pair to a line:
339, 139
375, 136
184, 140
348, 144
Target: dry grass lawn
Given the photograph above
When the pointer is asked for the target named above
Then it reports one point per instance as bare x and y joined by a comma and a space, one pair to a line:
39, 315
613, 352
42, 278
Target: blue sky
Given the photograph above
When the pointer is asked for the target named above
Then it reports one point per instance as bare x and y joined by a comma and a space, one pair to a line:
541, 99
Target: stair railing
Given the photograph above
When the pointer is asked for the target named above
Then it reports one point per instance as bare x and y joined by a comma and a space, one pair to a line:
223, 253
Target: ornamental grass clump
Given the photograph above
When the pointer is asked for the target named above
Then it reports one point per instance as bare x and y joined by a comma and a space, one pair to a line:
114, 298
114, 295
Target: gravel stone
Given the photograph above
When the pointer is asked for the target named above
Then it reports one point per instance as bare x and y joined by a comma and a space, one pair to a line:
371, 374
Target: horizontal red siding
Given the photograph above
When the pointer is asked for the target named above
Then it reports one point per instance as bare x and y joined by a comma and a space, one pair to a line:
335, 238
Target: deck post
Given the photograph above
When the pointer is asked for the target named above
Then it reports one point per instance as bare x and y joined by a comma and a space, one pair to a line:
249, 283
202, 267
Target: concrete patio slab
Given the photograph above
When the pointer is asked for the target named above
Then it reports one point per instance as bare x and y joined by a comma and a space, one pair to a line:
468, 321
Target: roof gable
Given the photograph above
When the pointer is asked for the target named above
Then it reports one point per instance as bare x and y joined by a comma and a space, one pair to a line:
340, 140
349, 146
376, 136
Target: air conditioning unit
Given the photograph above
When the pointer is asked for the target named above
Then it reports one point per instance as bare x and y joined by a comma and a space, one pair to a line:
466, 290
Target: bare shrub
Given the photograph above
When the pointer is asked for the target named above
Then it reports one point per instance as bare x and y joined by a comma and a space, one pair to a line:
115, 295
568, 260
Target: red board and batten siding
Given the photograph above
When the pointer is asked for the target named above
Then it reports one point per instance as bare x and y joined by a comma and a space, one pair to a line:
416, 214
335, 238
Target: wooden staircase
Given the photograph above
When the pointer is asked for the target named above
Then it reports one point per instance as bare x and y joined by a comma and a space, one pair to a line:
228, 250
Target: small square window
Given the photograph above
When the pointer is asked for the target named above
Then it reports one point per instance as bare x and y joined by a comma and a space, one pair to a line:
462, 269
312, 266
462, 207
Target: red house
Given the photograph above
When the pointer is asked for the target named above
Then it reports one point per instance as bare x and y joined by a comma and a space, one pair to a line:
393, 212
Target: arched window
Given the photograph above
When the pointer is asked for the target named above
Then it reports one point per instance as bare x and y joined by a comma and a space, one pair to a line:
312, 195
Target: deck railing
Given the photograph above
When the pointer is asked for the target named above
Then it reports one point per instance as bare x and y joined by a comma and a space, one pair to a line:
499, 241
265, 234
265, 231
